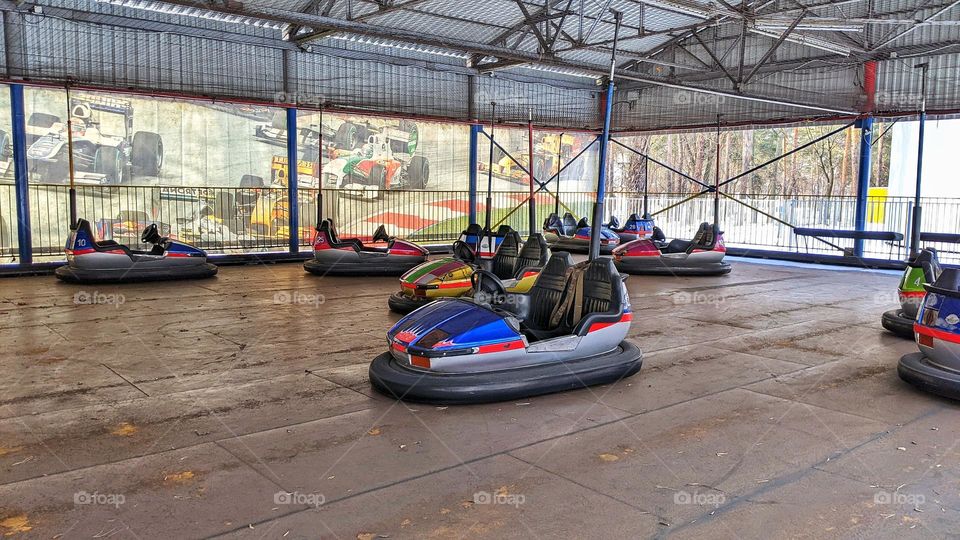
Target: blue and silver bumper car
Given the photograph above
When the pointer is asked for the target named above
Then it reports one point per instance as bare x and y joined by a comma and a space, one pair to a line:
936, 368
568, 234
92, 261
569, 331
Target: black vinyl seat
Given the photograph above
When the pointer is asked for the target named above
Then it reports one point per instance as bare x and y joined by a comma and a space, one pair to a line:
533, 254
474, 229
101, 245
705, 239
947, 283
580, 224
927, 260
546, 294
327, 227
569, 224
505, 258
658, 235
380, 235
590, 292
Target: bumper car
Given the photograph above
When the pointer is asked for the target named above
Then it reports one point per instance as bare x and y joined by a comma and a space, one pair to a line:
90, 261
925, 268
450, 277
567, 332
635, 228
936, 368
702, 256
386, 256
567, 234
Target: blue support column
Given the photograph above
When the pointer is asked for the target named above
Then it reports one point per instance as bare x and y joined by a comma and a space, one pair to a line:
475, 130
863, 180
601, 173
24, 236
293, 205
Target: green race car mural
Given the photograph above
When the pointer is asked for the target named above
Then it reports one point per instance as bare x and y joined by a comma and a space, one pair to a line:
386, 161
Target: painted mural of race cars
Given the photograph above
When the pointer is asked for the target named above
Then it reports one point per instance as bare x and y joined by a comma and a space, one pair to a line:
308, 173
348, 136
386, 161
545, 163
106, 148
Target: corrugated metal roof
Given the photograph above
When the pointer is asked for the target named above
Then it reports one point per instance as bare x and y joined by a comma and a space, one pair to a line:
136, 43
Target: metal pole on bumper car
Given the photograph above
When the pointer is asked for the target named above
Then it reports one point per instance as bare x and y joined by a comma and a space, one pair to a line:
493, 121
604, 143
716, 182
70, 166
533, 208
475, 130
915, 226
556, 199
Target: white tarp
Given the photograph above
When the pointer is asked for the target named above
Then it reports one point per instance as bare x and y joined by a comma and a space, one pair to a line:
940, 147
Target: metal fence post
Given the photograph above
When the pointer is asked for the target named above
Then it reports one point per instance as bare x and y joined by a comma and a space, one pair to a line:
292, 202
475, 130
863, 181
24, 235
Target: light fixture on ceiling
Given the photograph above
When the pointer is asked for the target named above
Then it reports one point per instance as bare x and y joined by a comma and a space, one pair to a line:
694, 10
160, 7
390, 44
811, 25
809, 41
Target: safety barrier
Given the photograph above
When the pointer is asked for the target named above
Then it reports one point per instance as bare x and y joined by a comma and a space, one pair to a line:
241, 220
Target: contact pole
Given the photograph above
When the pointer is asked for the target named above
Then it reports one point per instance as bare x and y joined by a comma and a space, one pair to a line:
533, 208
604, 143
716, 182
646, 186
70, 167
556, 200
493, 121
319, 171
917, 221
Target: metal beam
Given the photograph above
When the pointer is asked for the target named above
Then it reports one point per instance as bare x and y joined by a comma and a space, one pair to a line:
736, 83
855, 59
916, 25
773, 48
544, 45
384, 8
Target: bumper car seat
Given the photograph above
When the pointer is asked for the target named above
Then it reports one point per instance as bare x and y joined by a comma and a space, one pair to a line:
505, 259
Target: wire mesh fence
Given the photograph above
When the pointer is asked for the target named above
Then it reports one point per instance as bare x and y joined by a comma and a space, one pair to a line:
255, 220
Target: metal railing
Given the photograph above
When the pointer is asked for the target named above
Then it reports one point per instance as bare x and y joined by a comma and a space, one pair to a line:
248, 220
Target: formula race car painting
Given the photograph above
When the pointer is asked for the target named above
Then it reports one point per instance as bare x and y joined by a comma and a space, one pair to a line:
106, 149
386, 161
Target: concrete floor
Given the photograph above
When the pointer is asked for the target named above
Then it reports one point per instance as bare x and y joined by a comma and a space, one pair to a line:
768, 406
